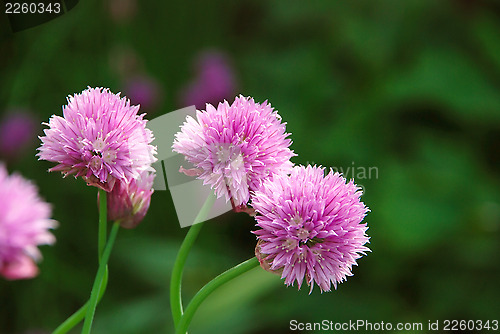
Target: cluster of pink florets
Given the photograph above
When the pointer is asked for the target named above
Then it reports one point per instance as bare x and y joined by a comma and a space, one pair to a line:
100, 138
235, 146
310, 226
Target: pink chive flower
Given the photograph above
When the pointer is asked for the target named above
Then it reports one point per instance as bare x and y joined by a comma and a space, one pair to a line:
215, 81
310, 227
234, 147
129, 201
24, 224
17, 133
100, 138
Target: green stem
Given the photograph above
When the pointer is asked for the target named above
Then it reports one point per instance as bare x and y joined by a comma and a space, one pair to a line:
180, 261
94, 295
78, 316
211, 287
103, 221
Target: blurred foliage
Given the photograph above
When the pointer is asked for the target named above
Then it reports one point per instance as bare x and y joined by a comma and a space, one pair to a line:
410, 88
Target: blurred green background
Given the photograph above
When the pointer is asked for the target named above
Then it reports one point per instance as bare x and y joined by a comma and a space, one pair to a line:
409, 88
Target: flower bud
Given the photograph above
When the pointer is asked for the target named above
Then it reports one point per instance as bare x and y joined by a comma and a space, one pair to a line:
129, 201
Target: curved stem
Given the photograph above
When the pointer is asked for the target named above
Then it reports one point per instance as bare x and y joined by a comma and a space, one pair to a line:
180, 261
78, 316
211, 287
176, 278
92, 304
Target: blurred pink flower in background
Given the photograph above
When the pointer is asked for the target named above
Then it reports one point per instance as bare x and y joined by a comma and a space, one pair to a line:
144, 91
24, 224
214, 81
124, 61
17, 133
122, 11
